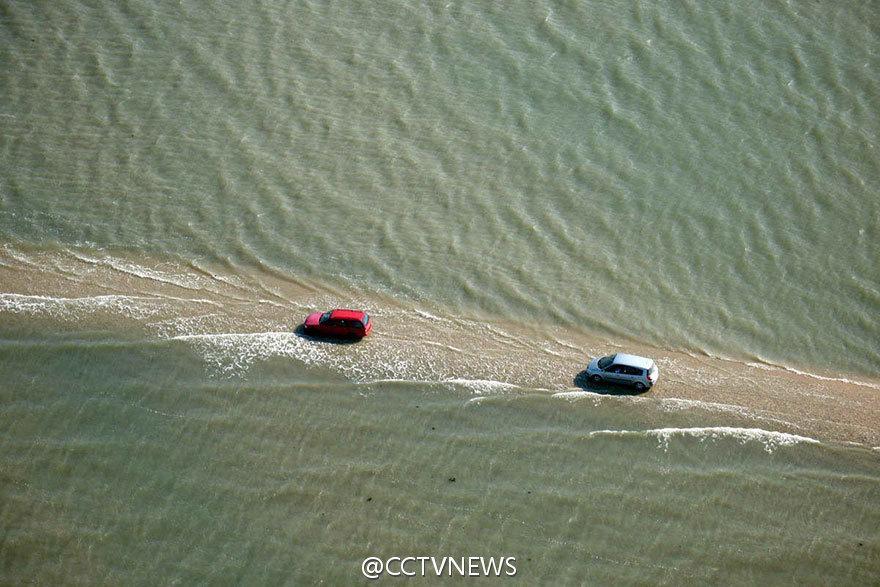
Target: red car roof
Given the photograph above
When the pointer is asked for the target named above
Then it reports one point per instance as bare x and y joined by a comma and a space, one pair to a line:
343, 314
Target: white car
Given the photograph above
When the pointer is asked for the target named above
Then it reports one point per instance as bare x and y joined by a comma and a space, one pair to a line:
640, 372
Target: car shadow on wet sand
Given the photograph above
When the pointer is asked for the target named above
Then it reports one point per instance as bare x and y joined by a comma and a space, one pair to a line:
582, 381
300, 331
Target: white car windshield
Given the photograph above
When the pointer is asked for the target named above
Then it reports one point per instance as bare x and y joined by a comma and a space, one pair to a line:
604, 362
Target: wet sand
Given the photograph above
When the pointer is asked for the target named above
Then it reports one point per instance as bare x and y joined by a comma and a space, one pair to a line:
236, 317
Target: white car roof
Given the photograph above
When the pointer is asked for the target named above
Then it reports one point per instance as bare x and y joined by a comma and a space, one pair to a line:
633, 361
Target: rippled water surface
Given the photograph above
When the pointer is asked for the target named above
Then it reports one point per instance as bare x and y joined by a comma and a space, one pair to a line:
507, 189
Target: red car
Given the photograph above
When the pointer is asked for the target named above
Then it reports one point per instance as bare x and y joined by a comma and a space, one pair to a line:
340, 323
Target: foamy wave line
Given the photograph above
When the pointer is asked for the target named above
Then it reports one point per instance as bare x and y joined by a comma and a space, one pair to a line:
448, 347
384, 380
59, 307
429, 316
675, 403
479, 386
770, 439
816, 376
234, 352
580, 394
482, 385
770, 366
134, 306
574, 394
176, 279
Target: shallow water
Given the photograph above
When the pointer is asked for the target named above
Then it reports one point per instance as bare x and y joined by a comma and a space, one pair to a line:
507, 190
297, 474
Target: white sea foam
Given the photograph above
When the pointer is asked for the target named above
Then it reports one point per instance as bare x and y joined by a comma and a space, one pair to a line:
579, 394
772, 367
448, 347
177, 279
674, 403
574, 394
385, 380
136, 307
187, 325
770, 439
573, 347
761, 366
548, 350
501, 334
837, 379
482, 386
233, 353
271, 303
131, 306
429, 316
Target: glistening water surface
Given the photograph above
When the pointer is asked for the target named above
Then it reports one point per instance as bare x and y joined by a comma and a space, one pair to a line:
508, 190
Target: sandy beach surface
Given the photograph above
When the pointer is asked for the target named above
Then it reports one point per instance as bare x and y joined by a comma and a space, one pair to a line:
236, 318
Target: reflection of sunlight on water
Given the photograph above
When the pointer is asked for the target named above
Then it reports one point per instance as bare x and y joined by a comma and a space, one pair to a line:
769, 439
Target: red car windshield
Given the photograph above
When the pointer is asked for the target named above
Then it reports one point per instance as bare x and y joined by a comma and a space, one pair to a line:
324, 317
